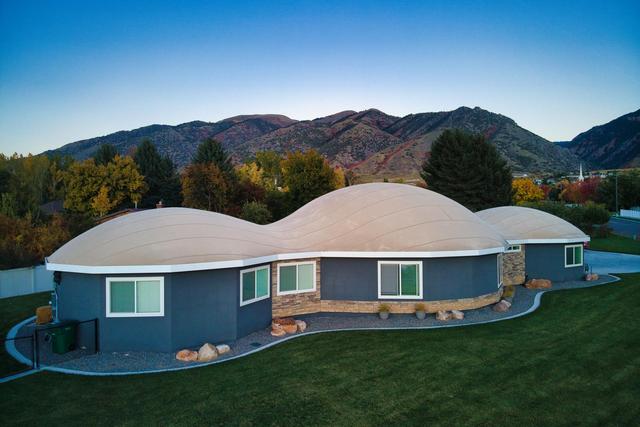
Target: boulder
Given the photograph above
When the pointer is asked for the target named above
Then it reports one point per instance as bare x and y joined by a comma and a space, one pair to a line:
187, 355
502, 306
275, 327
538, 284
443, 315
222, 349
591, 276
284, 321
278, 332
302, 325
207, 353
457, 315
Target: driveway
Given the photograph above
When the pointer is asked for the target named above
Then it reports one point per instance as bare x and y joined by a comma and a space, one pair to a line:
611, 262
624, 227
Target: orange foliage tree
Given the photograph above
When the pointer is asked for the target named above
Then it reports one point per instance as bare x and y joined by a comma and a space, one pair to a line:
525, 190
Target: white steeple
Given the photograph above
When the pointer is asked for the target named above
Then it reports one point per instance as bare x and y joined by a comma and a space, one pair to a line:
580, 177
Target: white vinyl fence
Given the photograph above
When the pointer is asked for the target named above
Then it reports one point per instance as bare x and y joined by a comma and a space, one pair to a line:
22, 281
630, 213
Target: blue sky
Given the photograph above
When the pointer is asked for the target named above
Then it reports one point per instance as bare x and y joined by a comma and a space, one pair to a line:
74, 70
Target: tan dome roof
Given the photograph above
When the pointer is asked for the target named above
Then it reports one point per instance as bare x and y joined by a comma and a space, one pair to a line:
368, 220
525, 225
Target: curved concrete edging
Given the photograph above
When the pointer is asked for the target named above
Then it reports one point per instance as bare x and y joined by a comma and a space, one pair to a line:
534, 307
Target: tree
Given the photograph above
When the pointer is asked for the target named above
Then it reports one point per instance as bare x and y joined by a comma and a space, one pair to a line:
160, 175
628, 184
204, 186
101, 203
306, 176
256, 212
525, 190
105, 154
469, 170
270, 164
211, 151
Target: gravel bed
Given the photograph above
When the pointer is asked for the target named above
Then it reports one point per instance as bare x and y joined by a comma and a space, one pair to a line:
135, 362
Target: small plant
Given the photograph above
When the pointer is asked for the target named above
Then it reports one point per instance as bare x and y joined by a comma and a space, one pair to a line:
383, 311
509, 291
421, 310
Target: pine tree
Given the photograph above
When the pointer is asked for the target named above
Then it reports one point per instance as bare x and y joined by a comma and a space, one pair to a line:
469, 170
160, 175
105, 154
211, 151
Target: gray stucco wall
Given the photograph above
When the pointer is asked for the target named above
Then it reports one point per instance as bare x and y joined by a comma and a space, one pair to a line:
442, 278
546, 261
202, 306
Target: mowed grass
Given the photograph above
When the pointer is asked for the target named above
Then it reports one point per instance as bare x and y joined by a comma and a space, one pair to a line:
12, 311
575, 361
615, 243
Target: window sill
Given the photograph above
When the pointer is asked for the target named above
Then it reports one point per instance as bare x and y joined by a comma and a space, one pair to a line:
251, 301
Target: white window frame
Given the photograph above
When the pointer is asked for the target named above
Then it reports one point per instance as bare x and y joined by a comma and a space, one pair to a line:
255, 284
297, 291
500, 270
513, 249
574, 255
418, 263
135, 280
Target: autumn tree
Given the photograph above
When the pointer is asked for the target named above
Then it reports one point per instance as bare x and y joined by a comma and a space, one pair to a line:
469, 170
101, 204
204, 186
269, 163
160, 175
105, 154
525, 190
306, 176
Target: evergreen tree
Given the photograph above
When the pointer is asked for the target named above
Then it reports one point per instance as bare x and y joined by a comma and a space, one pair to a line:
306, 177
211, 151
469, 170
105, 154
160, 175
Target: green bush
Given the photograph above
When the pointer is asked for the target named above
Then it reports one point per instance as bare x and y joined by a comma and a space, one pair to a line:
585, 217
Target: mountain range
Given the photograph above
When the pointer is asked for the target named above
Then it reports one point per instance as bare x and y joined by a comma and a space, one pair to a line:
371, 143
610, 146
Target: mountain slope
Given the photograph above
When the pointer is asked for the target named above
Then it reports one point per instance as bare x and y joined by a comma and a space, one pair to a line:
613, 145
371, 143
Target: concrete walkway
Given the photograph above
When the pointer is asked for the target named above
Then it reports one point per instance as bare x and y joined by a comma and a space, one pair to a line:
611, 262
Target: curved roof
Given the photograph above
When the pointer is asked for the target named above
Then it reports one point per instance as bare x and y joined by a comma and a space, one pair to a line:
368, 220
518, 224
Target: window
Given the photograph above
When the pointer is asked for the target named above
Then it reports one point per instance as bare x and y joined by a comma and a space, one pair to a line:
399, 279
500, 270
513, 248
254, 284
294, 278
135, 296
573, 255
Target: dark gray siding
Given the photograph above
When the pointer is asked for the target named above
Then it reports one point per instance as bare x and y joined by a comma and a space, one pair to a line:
443, 278
546, 261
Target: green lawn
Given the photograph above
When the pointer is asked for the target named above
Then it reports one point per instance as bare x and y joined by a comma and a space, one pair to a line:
12, 311
615, 243
574, 361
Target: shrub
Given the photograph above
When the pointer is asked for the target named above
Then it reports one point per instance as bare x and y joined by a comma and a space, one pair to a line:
582, 216
384, 308
420, 307
509, 291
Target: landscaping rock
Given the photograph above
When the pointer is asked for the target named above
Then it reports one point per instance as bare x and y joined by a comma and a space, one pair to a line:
278, 332
502, 306
187, 355
443, 315
591, 276
222, 349
207, 353
457, 315
538, 284
290, 329
302, 325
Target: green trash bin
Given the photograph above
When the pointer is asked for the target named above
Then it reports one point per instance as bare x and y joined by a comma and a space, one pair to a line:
63, 338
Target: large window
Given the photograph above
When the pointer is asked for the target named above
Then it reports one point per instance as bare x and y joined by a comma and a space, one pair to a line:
296, 277
573, 255
399, 279
254, 284
135, 296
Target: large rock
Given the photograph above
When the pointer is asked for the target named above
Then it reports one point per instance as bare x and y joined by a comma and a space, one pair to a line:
457, 315
302, 325
278, 332
290, 329
443, 315
591, 276
207, 353
187, 355
222, 349
502, 306
538, 284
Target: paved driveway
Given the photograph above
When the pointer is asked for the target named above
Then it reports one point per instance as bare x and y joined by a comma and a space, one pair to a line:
611, 262
625, 227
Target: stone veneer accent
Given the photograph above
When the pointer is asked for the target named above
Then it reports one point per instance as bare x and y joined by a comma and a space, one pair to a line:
294, 304
338, 306
513, 267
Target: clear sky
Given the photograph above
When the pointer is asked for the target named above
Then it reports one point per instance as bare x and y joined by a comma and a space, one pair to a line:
74, 70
